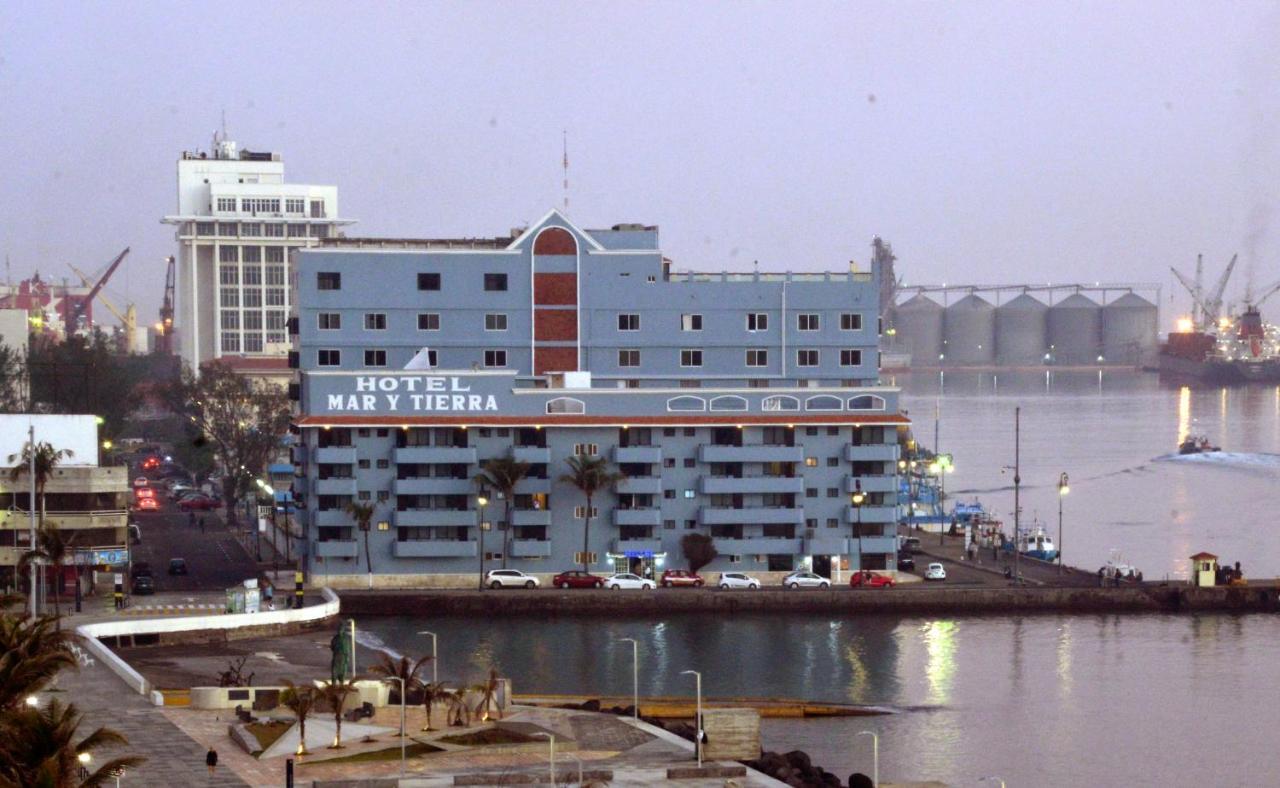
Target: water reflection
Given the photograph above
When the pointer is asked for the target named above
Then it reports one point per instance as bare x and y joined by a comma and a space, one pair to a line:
1063, 651
1184, 413
940, 645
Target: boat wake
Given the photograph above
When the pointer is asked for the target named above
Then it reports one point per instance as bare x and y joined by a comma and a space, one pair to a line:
1227, 459
371, 641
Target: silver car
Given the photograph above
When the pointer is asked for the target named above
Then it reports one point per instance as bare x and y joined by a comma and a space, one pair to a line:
805, 580
738, 580
509, 578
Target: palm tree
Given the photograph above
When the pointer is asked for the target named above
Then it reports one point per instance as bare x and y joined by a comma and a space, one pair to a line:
403, 669
51, 548
432, 693
590, 474
335, 694
39, 748
362, 513
488, 691
503, 474
45, 460
456, 700
32, 652
300, 699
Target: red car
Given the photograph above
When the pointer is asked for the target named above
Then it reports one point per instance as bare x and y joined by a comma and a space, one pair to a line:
576, 578
147, 505
201, 503
680, 577
866, 579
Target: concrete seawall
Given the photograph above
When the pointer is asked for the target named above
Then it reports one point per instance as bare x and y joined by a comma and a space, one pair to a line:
924, 601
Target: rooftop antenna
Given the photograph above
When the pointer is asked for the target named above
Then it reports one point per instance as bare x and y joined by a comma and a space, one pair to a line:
565, 140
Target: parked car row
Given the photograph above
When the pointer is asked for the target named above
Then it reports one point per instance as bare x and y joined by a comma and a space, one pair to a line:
675, 578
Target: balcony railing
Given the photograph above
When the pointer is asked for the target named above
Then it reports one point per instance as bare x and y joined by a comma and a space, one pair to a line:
650, 485
640, 454
531, 548
873, 453
429, 517
433, 548
336, 455
711, 485
642, 546
461, 455
432, 486
871, 484
714, 515
651, 517
755, 453
104, 518
758, 545
337, 548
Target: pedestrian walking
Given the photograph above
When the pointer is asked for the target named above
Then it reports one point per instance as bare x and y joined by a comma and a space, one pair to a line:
202, 524
211, 760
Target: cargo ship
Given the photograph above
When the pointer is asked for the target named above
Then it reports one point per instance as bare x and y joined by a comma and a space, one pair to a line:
1245, 350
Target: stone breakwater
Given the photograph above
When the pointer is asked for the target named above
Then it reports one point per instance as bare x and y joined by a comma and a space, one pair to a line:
914, 601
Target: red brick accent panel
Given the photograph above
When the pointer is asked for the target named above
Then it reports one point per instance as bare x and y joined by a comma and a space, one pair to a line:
555, 289
555, 241
555, 359
555, 325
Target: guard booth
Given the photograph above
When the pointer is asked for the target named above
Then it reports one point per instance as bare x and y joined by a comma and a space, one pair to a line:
1204, 569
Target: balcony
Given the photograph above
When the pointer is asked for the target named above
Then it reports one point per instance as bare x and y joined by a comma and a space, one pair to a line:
757, 453
298, 454
643, 454
752, 484
530, 517
758, 545
530, 548
337, 548
426, 486
877, 453
331, 517
435, 454
644, 547
433, 548
112, 518
826, 544
651, 517
529, 485
531, 454
335, 486
871, 514
430, 517
710, 515
651, 485
871, 545
336, 455
872, 484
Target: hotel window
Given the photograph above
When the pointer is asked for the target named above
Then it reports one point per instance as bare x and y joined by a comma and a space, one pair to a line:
588, 449
811, 492
329, 321
669, 462
833, 492
757, 321
294, 205
275, 296
668, 525
226, 228
690, 358
297, 231
253, 343
375, 358
628, 322
253, 297
228, 275
757, 358
628, 358
229, 298
580, 512
226, 203
204, 228
251, 254
275, 274
275, 325
275, 254
251, 229
850, 321
691, 322
495, 322
495, 282
252, 273
833, 462
317, 209
811, 462
231, 343
375, 321
833, 522
428, 281
253, 321
230, 320
495, 358
328, 280
807, 358
690, 494
228, 254
328, 358
428, 321
273, 230
850, 358
807, 321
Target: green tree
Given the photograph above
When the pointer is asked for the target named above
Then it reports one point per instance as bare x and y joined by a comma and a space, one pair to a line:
53, 549
488, 692
83, 374
46, 459
699, 550
245, 420
404, 669
300, 699
335, 694
39, 747
591, 475
13, 380
432, 693
503, 474
362, 513
32, 653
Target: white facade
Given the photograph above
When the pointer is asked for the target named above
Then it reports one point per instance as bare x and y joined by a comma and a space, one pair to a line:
237, 221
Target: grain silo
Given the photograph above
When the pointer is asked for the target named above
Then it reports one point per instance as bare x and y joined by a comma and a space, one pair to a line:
918, 322
1075, 330
1021, 331
1129, 327
969, 332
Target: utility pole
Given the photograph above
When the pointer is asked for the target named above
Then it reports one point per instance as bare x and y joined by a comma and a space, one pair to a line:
31, 477
1017, 482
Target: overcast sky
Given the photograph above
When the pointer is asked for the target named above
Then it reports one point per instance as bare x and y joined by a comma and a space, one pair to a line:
988, 142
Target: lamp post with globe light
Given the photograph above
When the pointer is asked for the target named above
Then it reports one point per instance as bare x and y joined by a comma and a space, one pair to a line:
1063, 489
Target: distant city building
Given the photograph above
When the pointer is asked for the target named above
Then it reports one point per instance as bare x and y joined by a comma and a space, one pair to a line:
237, 221
743, 406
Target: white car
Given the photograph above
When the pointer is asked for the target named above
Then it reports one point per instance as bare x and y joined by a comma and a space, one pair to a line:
738, 580
509, 578
935, 572
628, 580
805, 580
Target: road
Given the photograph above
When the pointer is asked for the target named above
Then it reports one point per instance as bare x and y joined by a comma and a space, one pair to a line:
215, 560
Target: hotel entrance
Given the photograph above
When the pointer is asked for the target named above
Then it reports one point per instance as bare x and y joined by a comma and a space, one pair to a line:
640, 563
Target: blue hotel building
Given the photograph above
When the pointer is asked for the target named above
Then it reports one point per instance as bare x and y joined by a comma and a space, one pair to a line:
744, 406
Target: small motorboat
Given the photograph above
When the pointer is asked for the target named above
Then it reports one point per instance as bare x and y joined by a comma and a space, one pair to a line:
1036, 543
1196, 445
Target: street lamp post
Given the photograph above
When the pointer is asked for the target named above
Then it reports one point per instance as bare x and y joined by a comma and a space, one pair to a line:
635, 676
697, 721
483, 501
435, 660
1063, 489
1017, 487
403, 690
875, 756
857, 499
551, 740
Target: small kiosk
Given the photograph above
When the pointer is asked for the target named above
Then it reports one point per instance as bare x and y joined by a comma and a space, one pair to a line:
1204, 569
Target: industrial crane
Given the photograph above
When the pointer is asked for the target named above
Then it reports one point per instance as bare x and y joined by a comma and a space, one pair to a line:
1209, 303
74, 314
128, 319
164, 329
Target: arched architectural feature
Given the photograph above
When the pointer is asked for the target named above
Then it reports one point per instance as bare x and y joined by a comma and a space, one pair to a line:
555, 240
824, 402
730, 402
555, 301
866, 402
780, 402
686, 404
566, 405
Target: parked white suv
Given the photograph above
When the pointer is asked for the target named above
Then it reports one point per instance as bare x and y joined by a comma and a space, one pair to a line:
509, 578
738, 580
805, 580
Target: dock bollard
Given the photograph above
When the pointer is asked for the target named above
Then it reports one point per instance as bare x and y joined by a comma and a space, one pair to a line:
119, 591
297, 590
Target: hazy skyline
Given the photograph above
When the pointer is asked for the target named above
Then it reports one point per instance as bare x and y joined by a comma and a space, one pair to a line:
988, 142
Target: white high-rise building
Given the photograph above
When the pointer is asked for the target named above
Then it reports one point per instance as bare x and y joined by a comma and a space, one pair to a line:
237, 221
